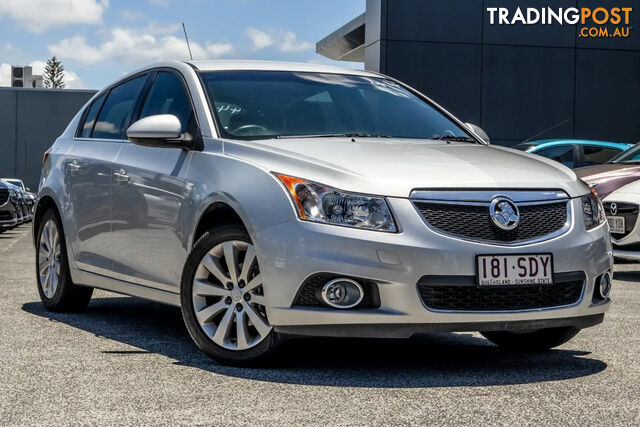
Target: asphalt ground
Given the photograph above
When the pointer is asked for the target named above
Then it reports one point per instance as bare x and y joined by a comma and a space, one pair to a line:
127, 361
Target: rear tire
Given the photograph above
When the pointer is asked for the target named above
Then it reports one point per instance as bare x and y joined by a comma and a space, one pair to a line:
231, 324
540, 340
57, 292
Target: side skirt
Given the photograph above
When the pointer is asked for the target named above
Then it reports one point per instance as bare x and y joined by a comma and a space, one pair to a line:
93, 280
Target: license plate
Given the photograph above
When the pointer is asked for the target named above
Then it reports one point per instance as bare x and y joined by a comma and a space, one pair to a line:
616, 224
507, 270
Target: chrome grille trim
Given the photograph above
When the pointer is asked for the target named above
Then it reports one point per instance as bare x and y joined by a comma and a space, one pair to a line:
487, 195
483, 198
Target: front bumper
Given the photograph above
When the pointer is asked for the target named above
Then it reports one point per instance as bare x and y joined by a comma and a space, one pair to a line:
9, 222
409, 330
623, 253
292, 251
8, 215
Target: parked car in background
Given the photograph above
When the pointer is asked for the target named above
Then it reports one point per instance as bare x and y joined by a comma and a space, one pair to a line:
20, 203
575, 153
17, 182
620, 171
28, 197
10, 207
621, 208
273, 199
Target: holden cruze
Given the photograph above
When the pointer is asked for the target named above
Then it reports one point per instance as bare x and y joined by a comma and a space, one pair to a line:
270, 200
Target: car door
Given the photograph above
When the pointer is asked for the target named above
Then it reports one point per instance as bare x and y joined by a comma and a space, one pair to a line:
565, 154
148, 191
88, 169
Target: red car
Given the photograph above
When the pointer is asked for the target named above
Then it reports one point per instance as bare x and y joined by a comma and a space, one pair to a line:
620, 171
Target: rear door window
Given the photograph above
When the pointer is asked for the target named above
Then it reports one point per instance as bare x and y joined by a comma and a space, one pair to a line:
560, 153
117, 109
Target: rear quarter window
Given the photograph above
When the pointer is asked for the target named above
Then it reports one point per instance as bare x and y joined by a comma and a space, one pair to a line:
86, 127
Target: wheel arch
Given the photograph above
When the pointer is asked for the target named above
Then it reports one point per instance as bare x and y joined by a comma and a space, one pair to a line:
215, 213
45, 202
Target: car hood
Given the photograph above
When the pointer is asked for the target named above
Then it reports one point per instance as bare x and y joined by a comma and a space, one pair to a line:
608, 177
395, 167
629, 193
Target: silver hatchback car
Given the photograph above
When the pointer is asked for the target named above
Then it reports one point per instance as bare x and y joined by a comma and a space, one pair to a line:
271, 199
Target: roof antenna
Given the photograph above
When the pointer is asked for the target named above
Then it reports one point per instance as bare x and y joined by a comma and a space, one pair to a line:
187, 39
546, 130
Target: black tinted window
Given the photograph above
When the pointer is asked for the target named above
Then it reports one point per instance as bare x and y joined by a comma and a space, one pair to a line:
594, 155
116, 109
90, 119
562, 154
168, 96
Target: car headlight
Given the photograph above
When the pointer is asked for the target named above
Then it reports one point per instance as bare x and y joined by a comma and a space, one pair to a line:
319, 203
593, 212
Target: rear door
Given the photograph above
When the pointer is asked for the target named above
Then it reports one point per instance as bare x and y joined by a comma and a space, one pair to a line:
149, 191
88, 170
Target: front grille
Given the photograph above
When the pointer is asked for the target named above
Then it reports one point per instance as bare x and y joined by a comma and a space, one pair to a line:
6, 216
473, 221
4, 196
521, 297
633, 247
630, 213
310, 291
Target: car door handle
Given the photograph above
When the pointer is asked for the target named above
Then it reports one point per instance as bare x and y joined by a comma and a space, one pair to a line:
74, 166
121, 176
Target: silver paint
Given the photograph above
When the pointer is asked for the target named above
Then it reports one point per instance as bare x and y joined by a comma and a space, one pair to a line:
132, 235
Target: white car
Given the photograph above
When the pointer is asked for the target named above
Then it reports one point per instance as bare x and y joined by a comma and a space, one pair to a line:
621, 208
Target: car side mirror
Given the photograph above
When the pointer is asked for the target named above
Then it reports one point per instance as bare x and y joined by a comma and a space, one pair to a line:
479, 132
161, 130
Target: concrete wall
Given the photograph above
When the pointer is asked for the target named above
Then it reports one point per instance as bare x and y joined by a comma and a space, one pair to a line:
30, 120
512, 80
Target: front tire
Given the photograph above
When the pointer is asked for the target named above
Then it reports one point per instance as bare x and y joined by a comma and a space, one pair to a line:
57, 291
222, 298
535, 341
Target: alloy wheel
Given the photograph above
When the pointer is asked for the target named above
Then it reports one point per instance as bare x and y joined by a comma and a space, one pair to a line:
49, 262
228, 296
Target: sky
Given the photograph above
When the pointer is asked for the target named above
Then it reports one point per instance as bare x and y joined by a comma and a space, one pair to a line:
98, 41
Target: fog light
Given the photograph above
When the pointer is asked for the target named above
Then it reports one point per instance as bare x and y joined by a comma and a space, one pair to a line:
342, 293
604, 285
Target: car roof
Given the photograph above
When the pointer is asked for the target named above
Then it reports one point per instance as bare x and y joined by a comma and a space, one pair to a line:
248, 65
544, 143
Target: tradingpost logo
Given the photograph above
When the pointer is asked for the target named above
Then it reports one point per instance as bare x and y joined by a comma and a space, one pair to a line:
614, 22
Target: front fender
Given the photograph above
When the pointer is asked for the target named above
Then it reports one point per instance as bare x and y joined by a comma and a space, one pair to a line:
255, 194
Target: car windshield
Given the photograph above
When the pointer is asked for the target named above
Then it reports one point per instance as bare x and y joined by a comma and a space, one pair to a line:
632, 155
281, 104
15, 182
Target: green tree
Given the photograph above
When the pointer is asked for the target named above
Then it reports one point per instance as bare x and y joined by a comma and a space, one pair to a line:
54, 74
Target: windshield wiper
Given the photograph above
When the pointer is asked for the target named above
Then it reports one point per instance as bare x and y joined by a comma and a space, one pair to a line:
335, 135
454, 138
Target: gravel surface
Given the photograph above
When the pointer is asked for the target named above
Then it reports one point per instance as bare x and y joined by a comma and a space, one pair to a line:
129, 361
